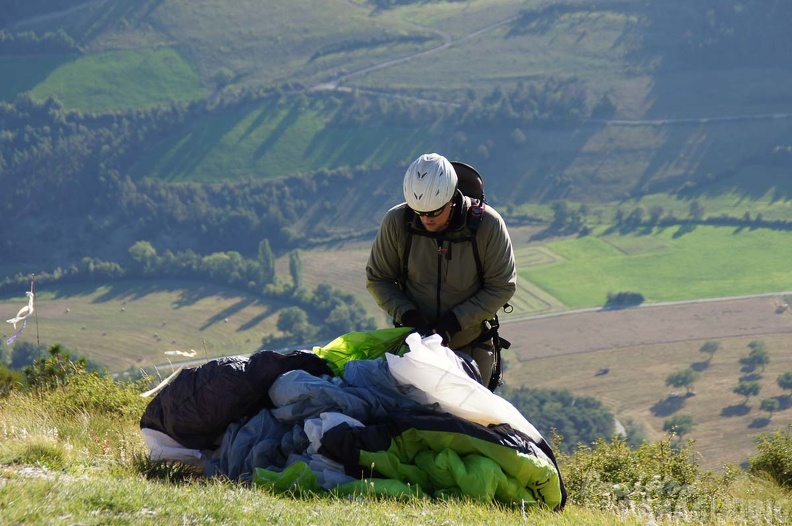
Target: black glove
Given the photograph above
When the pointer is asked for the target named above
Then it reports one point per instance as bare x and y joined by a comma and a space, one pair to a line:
413, 318
447, 326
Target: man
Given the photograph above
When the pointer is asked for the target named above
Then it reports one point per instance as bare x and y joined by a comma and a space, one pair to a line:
439, 288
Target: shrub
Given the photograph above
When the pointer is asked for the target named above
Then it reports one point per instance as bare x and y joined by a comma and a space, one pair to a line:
656, 477
68, 385
775, 456
53, 370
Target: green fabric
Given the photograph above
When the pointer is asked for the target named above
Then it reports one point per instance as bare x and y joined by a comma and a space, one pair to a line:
297, 478
364, 345
444, 463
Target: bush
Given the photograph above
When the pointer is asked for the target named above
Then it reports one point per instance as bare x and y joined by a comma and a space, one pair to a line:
775, 456
54, 370
622, 300
657, 477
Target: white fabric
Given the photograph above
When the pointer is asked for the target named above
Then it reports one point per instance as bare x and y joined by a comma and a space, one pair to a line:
435, 370
163, 447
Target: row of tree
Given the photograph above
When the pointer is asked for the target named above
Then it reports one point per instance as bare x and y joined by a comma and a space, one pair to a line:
568, 219
29, 43
578, 420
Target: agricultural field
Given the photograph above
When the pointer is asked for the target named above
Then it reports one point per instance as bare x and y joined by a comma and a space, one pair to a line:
128, 325
640, 347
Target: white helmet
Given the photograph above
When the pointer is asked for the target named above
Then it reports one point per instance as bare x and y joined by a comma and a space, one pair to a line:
429, 183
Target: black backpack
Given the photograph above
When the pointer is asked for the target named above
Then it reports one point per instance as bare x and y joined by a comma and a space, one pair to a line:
471, 184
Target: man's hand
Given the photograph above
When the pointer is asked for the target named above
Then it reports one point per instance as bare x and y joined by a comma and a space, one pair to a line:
413, 318
447, 326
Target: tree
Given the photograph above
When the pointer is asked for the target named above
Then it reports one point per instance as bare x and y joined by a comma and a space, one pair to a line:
561, 214
679, 425
266, 261
294, 322
758, 356
577, 419
683, 378
710, 347
696, 211
747, 389
623, 299
770, 405
145, 256
295, 269
785, 381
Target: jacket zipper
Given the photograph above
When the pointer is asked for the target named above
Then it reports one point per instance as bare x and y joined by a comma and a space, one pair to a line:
441, 251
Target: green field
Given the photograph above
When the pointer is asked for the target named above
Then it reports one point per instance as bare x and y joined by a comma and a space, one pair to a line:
708, 262
114, 80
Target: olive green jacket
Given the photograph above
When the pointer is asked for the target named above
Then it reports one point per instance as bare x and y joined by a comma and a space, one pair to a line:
442, 274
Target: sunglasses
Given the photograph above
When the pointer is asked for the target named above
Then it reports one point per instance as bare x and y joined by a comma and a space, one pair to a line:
433, 213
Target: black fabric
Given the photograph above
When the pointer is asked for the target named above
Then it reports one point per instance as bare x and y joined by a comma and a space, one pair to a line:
197, 406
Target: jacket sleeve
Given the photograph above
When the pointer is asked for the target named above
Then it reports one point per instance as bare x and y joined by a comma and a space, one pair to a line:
384, 265
500, 274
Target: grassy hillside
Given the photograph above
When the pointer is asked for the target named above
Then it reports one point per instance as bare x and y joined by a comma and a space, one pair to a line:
274, 140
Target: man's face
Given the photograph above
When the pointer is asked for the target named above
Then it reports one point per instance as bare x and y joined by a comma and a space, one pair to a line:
438, 222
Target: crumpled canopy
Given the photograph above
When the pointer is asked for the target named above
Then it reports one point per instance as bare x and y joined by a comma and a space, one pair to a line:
355, 418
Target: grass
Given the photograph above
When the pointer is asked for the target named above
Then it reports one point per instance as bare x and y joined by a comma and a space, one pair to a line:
90, 466
112, 80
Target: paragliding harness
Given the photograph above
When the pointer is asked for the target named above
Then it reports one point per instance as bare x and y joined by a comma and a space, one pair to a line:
471, 185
